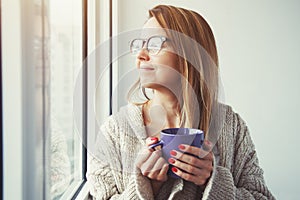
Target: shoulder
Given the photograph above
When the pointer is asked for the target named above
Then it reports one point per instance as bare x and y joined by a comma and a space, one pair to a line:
236, 127
227, 124
234, 139
130, 114
230, 117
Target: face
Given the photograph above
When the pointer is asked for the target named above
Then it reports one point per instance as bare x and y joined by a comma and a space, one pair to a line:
157, 69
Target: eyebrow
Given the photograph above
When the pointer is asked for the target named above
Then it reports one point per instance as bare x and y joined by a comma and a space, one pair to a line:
149, 36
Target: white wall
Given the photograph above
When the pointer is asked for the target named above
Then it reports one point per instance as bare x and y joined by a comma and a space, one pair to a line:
12, 100
259, 44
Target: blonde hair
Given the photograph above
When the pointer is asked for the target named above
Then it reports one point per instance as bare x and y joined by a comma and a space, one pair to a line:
200, 70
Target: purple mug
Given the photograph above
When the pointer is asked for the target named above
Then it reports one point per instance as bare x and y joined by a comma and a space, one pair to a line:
171, 138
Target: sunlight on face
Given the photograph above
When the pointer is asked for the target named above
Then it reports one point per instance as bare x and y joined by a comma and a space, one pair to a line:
160, 70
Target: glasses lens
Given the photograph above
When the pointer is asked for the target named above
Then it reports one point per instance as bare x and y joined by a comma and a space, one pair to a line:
154, 45
136, 45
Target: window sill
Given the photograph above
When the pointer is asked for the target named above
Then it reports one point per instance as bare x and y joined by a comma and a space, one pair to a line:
83, 194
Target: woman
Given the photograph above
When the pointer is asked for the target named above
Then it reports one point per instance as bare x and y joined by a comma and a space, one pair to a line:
177, 59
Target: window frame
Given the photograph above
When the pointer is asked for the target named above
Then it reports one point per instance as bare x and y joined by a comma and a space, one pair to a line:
1, 111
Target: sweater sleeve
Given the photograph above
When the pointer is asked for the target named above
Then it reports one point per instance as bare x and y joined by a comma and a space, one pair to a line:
103, 184
245, 178
105, 175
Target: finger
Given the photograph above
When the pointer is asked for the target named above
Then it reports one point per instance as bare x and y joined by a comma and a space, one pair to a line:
164, 169
192, 160
151, 140
148, 165
153, 174
186, 167
196, 151
204, 166
162, 176
207, 145
142, 157
159, 164
198, 180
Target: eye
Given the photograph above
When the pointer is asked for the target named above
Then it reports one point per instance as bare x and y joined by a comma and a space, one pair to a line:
154, 44
136, 45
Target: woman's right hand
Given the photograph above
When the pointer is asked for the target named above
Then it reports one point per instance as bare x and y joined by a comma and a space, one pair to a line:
153, 165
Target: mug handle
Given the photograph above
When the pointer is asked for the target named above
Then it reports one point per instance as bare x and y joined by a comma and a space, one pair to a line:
160, 143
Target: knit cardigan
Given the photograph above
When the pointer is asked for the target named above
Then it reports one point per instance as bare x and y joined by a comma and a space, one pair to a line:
112, 173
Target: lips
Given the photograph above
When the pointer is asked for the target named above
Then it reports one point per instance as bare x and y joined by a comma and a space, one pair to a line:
147, 67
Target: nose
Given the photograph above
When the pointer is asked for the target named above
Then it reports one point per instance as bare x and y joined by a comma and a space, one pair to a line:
143, 55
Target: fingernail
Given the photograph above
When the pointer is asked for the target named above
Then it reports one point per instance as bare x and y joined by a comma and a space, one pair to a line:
171, 160
154, 139
173, 153
174, 169
182, 147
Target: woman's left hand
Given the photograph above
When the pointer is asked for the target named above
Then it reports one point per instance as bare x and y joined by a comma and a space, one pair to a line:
196, 167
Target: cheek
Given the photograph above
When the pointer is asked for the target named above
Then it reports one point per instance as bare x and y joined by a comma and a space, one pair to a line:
168, 76
167, 59
172, 61
168, 69
171, 68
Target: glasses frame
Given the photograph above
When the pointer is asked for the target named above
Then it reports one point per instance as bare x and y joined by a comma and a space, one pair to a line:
146, 42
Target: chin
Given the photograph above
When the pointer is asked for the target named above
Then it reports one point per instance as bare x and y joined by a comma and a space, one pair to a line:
149, 85
153, 86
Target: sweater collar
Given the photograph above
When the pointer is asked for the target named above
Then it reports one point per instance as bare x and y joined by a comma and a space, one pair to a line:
135, 119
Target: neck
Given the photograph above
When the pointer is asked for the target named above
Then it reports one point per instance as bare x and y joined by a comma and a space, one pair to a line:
162, 111
168, 101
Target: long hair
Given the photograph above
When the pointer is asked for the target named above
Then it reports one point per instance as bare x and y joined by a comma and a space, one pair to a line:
198, 64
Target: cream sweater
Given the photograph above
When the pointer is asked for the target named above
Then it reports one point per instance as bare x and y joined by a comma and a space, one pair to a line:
113, 175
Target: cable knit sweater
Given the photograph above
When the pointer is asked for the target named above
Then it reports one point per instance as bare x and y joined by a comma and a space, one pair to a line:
113, 175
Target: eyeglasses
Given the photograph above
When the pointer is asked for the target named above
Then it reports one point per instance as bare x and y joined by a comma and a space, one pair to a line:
153, 45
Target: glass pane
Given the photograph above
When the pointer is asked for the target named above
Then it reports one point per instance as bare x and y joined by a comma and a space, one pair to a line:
65, 59
41, 93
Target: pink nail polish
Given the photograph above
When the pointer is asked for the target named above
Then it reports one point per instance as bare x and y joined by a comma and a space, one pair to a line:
182, 147
173, 153
171, 160
174, 169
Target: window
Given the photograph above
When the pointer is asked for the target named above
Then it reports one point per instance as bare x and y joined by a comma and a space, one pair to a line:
43, 46
65, 50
